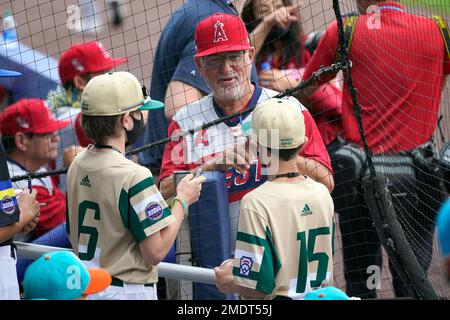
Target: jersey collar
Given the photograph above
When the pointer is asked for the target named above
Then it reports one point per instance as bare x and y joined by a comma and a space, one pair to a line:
390, 5
11, 160
236, 120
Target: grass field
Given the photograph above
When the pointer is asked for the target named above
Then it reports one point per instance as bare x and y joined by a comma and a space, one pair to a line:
438, 6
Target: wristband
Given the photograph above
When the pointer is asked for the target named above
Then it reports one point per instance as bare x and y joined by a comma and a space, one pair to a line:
183, 204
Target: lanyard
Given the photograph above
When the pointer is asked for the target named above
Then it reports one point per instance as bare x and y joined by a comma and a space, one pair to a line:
106, 146
288, 175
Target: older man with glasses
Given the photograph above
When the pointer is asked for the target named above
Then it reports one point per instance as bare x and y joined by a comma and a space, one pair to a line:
30, 138
224, 58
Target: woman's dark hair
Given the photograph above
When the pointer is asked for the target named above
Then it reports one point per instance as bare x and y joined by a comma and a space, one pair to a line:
291, 40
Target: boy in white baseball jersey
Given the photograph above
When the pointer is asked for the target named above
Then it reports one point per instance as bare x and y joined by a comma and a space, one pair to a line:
117, 219
285, 229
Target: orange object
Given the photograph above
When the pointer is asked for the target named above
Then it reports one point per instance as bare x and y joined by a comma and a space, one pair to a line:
100, 280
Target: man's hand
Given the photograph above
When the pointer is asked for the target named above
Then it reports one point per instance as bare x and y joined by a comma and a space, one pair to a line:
224, 276
30, 226
28, 205
235, 157
282, 16
189, 188
278, 80
238, 155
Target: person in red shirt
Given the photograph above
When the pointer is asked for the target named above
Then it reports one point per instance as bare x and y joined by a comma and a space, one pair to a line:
220, 37
281, 56
77, 65
224, 57
398, 67
29, 136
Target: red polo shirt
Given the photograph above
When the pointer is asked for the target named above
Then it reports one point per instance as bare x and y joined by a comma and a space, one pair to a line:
398, 70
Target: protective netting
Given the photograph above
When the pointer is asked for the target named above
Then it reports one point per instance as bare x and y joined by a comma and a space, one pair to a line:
132, 29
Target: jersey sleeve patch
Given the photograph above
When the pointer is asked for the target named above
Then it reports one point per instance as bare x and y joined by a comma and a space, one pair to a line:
144, 210
256, 262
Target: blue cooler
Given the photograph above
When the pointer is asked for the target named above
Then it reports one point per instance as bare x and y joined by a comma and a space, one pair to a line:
210, 232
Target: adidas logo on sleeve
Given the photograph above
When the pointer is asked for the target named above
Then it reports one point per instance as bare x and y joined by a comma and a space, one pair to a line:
85, 182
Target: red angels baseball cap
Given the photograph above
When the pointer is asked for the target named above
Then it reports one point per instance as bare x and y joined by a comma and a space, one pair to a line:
86, 57
29, 115
221, 33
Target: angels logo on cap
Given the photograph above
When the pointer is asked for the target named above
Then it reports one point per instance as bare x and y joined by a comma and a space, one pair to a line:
29, 115
219, 33
105, 53
77, 65
85, 57
22, 123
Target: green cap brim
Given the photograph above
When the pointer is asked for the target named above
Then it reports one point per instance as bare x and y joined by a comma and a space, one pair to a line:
150, 104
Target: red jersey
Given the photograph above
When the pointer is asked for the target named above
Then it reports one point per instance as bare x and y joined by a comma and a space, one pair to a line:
193, 151
325, 102
398, 70
54, 211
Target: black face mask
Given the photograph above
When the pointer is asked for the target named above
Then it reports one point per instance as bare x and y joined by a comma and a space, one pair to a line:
277, 33
134, 134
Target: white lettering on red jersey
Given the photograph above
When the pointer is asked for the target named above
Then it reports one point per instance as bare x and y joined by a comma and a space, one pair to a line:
193, 150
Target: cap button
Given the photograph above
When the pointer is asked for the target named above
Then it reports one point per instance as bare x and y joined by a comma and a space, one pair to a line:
47, 258
321, 295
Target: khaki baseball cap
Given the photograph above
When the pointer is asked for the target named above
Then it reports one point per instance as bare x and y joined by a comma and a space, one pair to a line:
278, 124
115, 93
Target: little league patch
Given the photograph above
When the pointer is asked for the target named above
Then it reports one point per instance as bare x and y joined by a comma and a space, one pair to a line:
245, 266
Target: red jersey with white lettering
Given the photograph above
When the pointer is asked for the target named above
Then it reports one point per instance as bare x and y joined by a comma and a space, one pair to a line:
194, 150
398, 70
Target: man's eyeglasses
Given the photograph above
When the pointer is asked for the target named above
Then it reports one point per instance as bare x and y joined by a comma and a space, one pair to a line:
217, 60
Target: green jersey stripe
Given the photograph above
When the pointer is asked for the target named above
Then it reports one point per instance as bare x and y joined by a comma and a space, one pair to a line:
252, 276
270, 266
123, 207
144, 184
332, 236
135, 225
275, 257
144, 224
251, 239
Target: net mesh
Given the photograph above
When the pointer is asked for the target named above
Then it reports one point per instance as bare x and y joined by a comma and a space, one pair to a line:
132, 29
